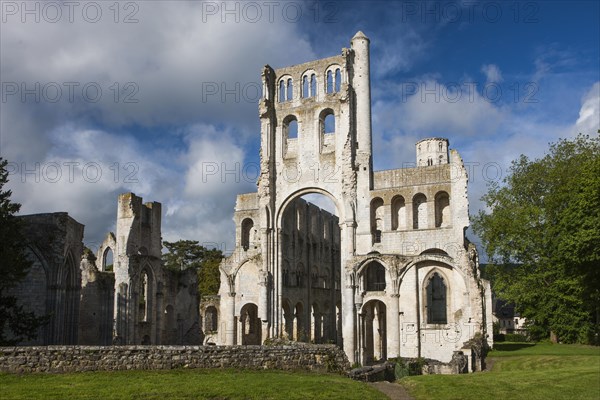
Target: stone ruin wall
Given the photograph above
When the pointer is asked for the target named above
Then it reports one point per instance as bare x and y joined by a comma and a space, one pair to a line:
61, 359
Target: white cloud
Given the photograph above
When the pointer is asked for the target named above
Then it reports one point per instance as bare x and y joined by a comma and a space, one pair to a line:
589, 115
164, 63
492, 73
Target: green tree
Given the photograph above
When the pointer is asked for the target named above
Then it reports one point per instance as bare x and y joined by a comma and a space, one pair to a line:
542, 236
16, 323
185, 254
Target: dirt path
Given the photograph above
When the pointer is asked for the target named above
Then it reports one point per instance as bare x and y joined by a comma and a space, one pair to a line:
392, 390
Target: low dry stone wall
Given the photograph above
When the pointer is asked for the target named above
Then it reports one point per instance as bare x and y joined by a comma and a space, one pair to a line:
57, 359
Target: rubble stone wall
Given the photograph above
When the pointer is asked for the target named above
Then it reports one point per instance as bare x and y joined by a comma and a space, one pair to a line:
59, 359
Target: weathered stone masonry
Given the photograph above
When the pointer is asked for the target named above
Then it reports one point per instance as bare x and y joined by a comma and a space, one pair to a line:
392, 273
58, 359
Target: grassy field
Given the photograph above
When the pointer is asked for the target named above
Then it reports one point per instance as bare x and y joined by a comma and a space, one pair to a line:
520, 371
184, 384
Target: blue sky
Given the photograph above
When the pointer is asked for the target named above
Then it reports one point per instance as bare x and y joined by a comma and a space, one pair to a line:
98, 100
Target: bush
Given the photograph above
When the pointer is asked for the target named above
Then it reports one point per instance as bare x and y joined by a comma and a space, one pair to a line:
500, 337
515, 337
409, 367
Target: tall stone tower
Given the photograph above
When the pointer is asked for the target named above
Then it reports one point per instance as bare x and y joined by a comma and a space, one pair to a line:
138, 255
396, 275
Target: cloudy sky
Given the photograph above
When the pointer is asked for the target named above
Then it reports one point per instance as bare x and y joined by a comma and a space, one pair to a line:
160, 97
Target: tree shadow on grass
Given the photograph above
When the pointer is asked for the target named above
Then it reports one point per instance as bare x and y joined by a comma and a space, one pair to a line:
512, 346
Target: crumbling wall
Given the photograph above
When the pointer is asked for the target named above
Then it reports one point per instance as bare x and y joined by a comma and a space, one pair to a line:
96, 307
52, 286
58, 359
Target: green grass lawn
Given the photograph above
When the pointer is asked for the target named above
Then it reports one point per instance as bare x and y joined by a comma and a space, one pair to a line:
520, 371
184, 384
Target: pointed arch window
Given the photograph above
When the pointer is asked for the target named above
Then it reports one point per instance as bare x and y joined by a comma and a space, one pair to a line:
144, 293
436, 294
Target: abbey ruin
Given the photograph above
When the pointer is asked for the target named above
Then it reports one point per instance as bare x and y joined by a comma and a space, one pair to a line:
134, 300
390, 273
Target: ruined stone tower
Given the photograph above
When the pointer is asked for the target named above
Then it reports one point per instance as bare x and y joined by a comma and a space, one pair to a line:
391, 274
152, 305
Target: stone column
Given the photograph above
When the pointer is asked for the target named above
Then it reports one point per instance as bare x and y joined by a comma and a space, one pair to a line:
362, 87
348, 321
393, 327
230, 325
263, 287
347, 277
277, 286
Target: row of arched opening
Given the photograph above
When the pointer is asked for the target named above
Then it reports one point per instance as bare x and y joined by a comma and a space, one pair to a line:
373, 314
320, 278
310, 85
322, 325
326, 124
373, 279
401, 218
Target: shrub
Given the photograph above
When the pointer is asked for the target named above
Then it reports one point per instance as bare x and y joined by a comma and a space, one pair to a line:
515, 337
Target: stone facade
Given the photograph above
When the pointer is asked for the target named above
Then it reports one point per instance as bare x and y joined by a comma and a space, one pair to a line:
52, 286
110, 358
152, 305
392, 273
134, 300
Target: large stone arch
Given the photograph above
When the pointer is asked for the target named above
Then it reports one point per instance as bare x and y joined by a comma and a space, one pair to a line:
318, 281
373, 331
426, 339
308, 190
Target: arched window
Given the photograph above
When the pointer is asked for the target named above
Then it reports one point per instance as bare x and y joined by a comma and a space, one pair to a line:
436, 300
329, 82
374, 276
211, 322
313, 85
247, 225
338, 79
144, 299
376, 219
290, 127
327, 122
282, 96
419, 211
442, 210
290, 90
107, 260
398, 213
305, 91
